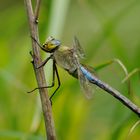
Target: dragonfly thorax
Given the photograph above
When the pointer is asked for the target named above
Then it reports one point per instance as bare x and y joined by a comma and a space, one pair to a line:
64, 58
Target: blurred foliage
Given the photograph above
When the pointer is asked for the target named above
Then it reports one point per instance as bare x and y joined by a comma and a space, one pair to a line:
106, 29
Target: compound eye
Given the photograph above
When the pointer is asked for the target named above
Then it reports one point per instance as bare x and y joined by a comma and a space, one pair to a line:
56, 42
50, 38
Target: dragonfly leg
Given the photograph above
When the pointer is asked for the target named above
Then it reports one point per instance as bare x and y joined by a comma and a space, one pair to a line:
50, 86
38, 43
31, 54
58, 79
44, 62
53, 82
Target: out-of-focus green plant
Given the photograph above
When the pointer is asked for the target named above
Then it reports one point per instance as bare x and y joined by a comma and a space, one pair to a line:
106, 30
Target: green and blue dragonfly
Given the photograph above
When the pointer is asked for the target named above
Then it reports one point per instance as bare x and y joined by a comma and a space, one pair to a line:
69, 59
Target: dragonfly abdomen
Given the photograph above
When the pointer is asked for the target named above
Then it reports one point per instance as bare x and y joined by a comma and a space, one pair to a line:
89, 75
94, 80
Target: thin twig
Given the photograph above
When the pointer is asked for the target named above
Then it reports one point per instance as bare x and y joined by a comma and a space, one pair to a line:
37, 9
40, 76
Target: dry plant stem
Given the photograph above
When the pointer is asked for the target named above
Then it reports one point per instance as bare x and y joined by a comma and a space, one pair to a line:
37, 8
40, 76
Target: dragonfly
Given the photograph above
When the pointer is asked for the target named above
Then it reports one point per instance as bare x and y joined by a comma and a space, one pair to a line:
69, 59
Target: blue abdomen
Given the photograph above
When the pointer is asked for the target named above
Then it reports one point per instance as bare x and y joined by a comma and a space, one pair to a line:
87, 74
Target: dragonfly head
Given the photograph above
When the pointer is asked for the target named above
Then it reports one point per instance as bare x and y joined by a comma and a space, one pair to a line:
51, 44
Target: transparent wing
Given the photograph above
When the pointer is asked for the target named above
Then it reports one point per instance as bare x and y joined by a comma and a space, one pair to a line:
77, 48
86, 86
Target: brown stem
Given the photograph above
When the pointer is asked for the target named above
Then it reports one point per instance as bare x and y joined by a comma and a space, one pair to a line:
37, 8
40, 76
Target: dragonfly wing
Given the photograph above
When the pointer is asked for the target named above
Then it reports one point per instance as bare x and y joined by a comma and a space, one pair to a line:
86, 86
77, 47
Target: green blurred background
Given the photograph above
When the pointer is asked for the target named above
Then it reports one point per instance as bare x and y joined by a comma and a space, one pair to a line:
107, 29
